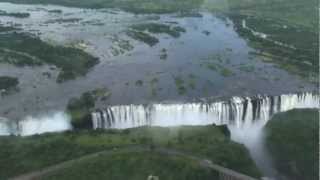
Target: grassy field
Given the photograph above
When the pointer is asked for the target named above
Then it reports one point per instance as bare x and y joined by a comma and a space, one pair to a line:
135, 166
24, 50
19, 155
293, 140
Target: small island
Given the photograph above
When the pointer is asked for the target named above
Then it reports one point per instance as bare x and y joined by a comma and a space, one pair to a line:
8, 83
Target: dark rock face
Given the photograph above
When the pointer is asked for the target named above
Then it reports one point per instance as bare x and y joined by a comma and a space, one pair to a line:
225, 130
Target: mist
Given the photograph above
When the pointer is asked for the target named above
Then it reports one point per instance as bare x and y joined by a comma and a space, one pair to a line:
30, 125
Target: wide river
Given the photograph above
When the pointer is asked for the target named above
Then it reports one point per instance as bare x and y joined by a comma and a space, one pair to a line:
209, 39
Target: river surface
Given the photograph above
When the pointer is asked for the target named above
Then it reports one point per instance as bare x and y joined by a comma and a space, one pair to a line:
209, 39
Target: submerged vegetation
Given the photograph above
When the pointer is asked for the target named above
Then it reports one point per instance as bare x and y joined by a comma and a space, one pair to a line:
139, 32
63, 20
8, 83
246, 68
21, 154
7, 29
139, 83
120, 46
174, 31
222, 70
143, 37
16, 15
22, 49
293, 141
163, 54
180, 84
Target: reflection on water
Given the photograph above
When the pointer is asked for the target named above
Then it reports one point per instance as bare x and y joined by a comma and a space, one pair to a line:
210, 58
89, 29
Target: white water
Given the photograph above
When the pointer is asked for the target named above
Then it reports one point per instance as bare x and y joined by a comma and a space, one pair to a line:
239, 112
245, 118
54, 122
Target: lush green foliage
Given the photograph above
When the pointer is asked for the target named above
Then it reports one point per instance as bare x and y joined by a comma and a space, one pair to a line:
294, 12
80, 108
22, 49
293, 140
24, 154
135, 166
298, 52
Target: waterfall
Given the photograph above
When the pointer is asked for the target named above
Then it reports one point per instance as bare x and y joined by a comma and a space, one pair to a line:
238, 112
52, 122
245, 117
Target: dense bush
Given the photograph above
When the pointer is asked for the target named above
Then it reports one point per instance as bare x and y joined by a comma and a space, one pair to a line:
72, 62
24, 154
80, 108
293, 141
136, 166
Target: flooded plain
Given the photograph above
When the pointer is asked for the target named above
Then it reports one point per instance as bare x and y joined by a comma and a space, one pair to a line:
208, 59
